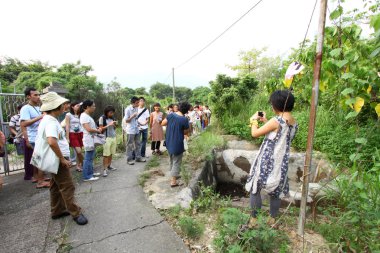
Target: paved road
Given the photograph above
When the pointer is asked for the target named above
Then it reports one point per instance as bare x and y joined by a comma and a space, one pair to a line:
120, 218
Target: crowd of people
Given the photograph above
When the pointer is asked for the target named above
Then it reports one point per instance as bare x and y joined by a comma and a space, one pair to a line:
48, 126
54, 134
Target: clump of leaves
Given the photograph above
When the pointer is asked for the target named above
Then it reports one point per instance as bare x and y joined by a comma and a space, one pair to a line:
262, 238
208, 200
190, 227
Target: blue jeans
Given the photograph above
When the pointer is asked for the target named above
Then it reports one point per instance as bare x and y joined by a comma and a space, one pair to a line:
88, 164
144, 139
143, 134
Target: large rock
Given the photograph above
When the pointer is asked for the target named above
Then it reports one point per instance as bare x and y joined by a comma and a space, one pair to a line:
233, 166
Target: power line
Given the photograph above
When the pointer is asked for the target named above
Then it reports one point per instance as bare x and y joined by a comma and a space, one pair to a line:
307, 30
220, 35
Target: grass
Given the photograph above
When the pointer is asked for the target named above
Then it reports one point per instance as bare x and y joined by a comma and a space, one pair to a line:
143, 178
191, 227
152, 163
202, 145
185, 174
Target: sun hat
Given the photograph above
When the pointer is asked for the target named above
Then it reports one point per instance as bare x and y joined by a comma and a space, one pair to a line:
51, 101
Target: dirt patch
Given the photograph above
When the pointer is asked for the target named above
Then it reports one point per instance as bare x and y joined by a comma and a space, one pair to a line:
243, 163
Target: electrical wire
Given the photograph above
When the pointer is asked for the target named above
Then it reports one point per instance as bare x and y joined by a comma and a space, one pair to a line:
220, 35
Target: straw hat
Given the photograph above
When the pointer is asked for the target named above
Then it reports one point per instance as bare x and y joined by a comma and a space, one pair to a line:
51, 101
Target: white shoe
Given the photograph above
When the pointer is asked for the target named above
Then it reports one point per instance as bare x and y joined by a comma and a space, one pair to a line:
105, 173
97, 174
131, 162
74, 163
141, 160
91, 179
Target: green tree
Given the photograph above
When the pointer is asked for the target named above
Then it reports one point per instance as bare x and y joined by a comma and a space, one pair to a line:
183, 94
161, 90
200, 94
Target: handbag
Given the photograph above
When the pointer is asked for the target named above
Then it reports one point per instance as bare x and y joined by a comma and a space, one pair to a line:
99, 139
43, 156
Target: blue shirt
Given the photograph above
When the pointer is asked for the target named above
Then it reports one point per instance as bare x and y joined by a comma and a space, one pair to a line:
175, 133
132, 126
29, 112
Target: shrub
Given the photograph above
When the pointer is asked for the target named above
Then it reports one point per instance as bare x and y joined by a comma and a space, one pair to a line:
262, 238
190, 227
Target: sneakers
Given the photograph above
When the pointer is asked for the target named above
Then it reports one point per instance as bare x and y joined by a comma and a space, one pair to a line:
73, 163
131, 162
91, 179
141, 160
105, 173
81, 220
111, 168
96, 174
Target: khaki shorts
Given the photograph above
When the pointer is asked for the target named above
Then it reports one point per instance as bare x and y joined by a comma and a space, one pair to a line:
109, 148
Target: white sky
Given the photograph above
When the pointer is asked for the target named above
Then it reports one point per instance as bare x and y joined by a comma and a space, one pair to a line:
138, 42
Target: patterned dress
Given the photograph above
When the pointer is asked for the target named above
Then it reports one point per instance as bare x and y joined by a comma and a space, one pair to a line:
269, 170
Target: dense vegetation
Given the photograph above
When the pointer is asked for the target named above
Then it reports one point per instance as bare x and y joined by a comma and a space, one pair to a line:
347, 128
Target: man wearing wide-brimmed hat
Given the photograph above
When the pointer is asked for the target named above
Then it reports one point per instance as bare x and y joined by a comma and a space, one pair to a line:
62, 187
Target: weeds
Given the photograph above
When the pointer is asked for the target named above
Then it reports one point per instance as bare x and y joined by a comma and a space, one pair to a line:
143, 178
203, 144
262, 238
185, 174
190, 227
153, 162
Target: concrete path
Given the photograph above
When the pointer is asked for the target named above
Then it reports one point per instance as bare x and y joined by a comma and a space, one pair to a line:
120, 218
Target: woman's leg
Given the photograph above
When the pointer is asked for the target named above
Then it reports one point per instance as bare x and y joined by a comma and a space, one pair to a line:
153, 146
256, 203
275, 204
78, 150
158, 144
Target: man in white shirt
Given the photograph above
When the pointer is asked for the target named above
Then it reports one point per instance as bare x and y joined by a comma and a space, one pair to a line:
143, 121
132, 130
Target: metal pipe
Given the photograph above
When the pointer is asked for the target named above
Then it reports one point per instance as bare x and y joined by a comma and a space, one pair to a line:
313, 115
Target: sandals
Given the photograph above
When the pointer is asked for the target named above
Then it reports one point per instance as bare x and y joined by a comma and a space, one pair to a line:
43, 185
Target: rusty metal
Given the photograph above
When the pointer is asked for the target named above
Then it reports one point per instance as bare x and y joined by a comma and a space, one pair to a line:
313, 115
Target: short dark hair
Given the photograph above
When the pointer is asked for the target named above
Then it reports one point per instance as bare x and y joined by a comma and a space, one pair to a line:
28, 90
184, 107
142, 98
109, 108
197, 106
86, 103
170, 106
134, 99
282, 100
156, 105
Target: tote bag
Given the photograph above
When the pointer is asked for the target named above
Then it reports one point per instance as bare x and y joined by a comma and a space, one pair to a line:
99, 139
43, 156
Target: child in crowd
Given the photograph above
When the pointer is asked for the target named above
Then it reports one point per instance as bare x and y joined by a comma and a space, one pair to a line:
156, 131
269, 171
108, 125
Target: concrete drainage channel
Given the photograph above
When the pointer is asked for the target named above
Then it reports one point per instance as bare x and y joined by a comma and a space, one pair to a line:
228, 171
230, 167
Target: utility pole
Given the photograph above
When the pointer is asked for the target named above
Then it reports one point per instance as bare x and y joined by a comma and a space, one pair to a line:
313, 114
173, 86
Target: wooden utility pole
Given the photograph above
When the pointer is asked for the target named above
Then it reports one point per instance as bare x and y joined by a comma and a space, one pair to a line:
313, 114
173, 86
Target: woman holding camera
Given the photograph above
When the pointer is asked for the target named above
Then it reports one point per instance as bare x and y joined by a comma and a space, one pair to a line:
74, 132
270, 167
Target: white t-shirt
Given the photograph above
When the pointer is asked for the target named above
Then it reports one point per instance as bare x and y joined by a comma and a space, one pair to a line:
143, 118
52, 128
88, 140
